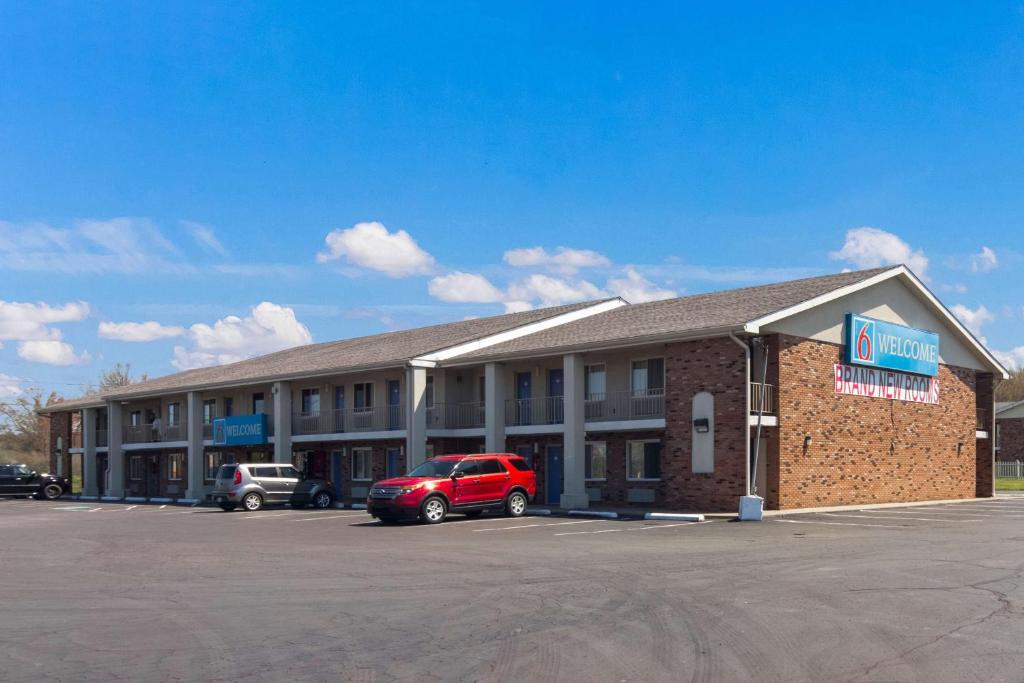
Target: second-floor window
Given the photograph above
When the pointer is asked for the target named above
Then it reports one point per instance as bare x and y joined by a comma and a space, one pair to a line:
229, 407
173, 414
595, 381
135, 419
209, 411
259, 405
364, 396
648, 376
339, 398
310, 401
430, 391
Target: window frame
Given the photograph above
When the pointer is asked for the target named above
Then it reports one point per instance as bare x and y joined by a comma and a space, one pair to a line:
588, 460
262, 399
647, 389
590, 395
361, 451
175, 466
309, 393
174, 414
212, 456
629, 446
367, 397
211, 415
135, 468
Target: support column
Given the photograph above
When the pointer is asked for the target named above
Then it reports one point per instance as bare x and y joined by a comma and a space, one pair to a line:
283, 422
90, 487
574, 435
195, 468
115, 453
416, 414
494, 408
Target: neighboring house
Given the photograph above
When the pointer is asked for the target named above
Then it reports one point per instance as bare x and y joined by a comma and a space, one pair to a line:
1010, 431
656, 404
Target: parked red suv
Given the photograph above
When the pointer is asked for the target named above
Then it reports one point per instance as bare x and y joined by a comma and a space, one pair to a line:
455, 483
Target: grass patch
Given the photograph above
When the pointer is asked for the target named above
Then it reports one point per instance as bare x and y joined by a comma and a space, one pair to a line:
1009, 484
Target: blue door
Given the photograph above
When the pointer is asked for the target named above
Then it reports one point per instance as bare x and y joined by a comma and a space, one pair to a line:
336, 458
392, 463
394, 404
556, 390
553, 487
524, 392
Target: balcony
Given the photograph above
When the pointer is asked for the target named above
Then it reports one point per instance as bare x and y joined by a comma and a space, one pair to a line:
455, 416
762, 396
625, 405
148, 434
548, 410
101, 438
348, 420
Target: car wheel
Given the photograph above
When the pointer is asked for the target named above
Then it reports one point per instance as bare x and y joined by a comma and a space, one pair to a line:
322, 500
227, 507
515, 505
52, 491
433, 510
474, 513
252, 502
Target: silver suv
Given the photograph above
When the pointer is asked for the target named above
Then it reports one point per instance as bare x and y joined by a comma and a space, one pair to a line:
253, 485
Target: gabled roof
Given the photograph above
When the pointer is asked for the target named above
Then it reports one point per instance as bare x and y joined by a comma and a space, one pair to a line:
1007, 407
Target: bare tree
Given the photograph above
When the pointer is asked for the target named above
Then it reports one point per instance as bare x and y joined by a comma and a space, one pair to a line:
118, 376
1011, 389
23, 435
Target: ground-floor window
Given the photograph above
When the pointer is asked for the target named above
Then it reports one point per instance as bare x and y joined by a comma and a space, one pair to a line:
596, 460
643, 460
135, 468
258, 456
430, 451
212, 462
175, 466
362, 467
526, 453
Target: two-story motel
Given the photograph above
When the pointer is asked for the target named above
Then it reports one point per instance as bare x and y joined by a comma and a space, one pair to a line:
853, 388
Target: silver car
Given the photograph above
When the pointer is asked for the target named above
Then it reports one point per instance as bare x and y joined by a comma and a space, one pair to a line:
253, 485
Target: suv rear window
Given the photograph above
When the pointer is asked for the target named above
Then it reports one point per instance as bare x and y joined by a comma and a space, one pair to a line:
491, 466
519, 464
226, 471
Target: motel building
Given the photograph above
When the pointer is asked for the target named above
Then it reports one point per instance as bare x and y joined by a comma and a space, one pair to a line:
1010, 434
845, 389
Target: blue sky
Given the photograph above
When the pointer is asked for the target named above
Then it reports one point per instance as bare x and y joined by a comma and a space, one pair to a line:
229, 179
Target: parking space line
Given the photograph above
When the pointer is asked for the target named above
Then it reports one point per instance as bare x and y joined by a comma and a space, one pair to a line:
883, 526
641, 528
528, 526
310, 519
918, 519
939, 512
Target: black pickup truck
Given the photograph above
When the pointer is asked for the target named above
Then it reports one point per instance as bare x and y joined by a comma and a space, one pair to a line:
22, 480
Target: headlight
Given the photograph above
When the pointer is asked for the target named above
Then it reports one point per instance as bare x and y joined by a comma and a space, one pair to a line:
408, 489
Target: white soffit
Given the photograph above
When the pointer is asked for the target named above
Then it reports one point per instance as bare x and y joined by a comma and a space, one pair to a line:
525, 330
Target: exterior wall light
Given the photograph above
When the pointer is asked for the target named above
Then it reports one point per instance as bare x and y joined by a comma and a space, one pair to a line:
807, 441
701, 425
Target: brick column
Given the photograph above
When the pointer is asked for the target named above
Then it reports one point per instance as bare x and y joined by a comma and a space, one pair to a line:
494, 408
416, 416
574, 436
195, 469
90, 483
115, 452
283, 422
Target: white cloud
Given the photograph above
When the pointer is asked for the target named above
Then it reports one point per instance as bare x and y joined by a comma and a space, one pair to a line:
138, 332
868, 247
268, 328
551, 291
51, 352
984, 261
464, 288
635, 288
30, 322
9, 387
973, 319
1012, 359
370, 245
205, 237
956, 288
563, 259
518, 306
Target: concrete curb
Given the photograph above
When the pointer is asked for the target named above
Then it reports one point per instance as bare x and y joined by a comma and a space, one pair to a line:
672, 516
161, 500
87, 498
593, 513
117, 499
357, 506
541, 512
188, 501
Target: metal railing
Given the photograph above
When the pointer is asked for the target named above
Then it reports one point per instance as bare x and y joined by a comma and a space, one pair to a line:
149, 434
1010, 470
762, 395
625, 405
101, 438
547, 410
375, 419
455, 415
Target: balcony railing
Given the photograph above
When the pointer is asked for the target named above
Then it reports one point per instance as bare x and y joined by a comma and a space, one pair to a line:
376, 419
101, 438
455, 415
548, 410
149, 434
762, 395
625, 405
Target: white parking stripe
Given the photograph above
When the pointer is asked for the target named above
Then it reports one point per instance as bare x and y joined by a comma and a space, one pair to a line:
884, 526
941, 512
267, 515
310, 519
528, 526
130, 507
918, 519
641, 528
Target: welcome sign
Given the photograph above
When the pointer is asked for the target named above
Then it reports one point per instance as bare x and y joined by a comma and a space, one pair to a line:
878, 344
240, 430
895, 386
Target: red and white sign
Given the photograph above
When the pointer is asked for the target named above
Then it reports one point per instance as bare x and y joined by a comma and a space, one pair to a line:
853, 380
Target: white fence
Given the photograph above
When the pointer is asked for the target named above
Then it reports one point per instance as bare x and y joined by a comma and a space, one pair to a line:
1010, 470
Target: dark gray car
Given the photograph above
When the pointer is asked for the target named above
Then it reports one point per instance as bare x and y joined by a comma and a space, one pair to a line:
253, 485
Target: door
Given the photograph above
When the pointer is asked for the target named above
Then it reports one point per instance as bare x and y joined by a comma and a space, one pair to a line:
6, 480
101, 474
288, 479
493, 480
555, 473
466, 489
267, 478
336, 464
392, 462
524, 392
556, 390
152, 475
316, 465
24, 482
394, 403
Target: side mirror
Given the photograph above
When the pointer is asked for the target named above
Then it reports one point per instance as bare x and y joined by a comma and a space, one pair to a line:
458, 475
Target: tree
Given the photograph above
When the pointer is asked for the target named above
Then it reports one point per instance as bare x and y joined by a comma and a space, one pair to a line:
1011, 389
118, 376
23, 434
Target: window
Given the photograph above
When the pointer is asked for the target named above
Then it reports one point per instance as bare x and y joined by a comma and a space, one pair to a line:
491, 466
6, 471
173, 414
264, 472
209, 411
135, 467
339, 398
259, 405
595, 381
596, 454
135, 419
22, 470
470, 468
226, 472
229, 407
526, 453
430, 450
288, 472
429, 398
361, 464
175, 466
519, 464
643, 460
364, 396
648, 376
212, 462
258, 456
310, 401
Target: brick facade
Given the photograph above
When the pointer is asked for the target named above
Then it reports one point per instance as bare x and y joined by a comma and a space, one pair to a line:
58, 426
1011, 439
866, 450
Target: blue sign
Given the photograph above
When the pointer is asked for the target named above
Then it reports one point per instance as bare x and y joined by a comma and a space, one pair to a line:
878, 344
240, 430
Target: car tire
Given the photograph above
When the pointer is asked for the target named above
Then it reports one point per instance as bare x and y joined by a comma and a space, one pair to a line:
252, 502
474, 513
227, 507
322, 500
52, 492
515, 504
433, 510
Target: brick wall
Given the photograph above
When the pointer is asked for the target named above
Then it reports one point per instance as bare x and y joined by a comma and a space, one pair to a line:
867, 450
58, 425
1011, 439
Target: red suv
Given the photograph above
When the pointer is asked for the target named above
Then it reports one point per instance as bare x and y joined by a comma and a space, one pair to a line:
455, 483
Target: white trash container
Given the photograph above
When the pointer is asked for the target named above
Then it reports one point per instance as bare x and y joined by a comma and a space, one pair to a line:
751, 508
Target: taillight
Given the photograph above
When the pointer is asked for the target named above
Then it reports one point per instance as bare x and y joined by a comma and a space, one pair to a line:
238, 477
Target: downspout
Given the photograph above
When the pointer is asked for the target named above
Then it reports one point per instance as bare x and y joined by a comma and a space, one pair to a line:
746, 411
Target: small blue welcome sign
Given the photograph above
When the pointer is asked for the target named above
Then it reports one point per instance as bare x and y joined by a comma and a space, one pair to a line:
878, 344
240, 430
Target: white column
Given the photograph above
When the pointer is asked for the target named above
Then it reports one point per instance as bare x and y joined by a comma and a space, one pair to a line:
494, 408
115, 453
416, 416
90, 482
574, 438
283, 422
195, 468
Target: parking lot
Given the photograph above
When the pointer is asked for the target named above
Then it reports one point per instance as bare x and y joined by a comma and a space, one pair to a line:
150, 592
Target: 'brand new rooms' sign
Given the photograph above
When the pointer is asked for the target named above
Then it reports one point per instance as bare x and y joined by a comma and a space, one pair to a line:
895, 386
878, 344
